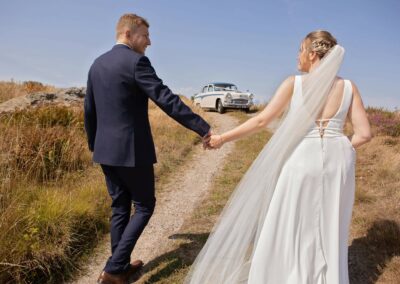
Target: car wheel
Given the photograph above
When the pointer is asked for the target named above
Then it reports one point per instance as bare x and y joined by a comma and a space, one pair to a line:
246, 110
220, 107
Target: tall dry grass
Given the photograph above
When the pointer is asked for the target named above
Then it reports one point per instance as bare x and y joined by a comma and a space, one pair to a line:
54, 206
173, 142
11, 89
42, 144
48, 218
374, 252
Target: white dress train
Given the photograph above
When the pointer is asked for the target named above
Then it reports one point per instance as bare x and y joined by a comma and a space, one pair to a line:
305, 232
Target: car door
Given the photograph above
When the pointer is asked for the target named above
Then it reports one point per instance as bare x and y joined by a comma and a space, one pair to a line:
199, 97
209, 97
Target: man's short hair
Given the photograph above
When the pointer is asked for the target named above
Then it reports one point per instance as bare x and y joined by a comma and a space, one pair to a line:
131, 21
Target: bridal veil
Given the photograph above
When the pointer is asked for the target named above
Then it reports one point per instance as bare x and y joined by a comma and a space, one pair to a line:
226, 257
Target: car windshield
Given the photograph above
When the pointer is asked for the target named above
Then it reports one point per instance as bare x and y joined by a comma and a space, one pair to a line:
225, 87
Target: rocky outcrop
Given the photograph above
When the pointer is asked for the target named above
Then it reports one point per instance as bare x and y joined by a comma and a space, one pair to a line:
65, 97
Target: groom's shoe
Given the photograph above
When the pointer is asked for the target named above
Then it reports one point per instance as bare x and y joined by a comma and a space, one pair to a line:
123, 278
135, 269
108, 278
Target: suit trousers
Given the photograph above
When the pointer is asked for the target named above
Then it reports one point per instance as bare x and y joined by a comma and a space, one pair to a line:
127, 185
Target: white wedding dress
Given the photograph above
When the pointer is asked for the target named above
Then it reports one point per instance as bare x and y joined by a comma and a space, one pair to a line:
304, 236
287, 221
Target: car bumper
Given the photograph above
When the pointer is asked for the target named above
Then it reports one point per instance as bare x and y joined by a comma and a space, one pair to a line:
232, 105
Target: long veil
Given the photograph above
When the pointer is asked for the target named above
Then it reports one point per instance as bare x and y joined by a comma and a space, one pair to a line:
226, 256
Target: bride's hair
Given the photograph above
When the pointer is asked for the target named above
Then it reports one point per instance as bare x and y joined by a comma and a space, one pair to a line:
320, 42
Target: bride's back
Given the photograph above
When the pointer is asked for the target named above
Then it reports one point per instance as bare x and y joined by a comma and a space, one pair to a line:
333, 101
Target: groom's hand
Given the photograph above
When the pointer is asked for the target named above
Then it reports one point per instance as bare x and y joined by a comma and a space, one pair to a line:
215, 141
206, 140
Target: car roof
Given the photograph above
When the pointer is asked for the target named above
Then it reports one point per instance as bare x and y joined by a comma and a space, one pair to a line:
220, 83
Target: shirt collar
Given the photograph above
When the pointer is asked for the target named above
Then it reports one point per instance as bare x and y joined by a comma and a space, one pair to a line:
123, 44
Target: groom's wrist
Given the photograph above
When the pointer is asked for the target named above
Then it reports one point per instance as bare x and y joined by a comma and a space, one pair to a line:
208, 134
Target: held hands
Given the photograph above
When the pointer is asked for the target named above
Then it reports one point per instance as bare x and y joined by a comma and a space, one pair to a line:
212, 141
216, 142
206, 140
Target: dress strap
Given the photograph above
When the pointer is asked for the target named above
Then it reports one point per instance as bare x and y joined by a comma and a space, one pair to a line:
297, 84
296, 92
348, 96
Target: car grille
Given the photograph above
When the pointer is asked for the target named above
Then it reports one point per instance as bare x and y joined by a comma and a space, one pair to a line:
239, 101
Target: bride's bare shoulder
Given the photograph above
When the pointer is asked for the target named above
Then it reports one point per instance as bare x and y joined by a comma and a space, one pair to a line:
339, 81
288, 83
290, 79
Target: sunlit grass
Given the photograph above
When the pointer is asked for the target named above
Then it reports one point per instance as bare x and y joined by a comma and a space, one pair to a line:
54, 207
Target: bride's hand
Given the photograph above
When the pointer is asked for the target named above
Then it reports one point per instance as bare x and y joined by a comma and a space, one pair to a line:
216, 141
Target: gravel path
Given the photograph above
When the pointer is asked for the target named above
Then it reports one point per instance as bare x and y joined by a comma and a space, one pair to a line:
175, 201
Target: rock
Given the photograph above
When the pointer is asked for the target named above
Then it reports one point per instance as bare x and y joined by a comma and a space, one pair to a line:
65, 97
38, 98
74, 91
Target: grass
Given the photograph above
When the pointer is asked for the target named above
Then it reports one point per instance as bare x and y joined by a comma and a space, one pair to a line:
42, 144
374, 252
54, 207
11, 89
173, 142
374, 247
384, 122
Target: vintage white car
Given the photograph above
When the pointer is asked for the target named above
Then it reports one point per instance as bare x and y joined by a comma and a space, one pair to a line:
221, 96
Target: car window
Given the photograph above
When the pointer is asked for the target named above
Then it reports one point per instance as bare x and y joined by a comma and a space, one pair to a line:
225, 87
210, 88
204, 89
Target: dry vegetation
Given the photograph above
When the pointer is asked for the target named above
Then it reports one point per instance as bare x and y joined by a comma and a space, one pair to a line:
54, 206
374, 252
9, 90
374, 248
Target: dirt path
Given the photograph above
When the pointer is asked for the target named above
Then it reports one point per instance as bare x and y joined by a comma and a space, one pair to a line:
175, 202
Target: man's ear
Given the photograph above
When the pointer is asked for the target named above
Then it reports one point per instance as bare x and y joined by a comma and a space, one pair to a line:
128, 33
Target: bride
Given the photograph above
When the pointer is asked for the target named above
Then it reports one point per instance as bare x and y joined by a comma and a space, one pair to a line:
288, 219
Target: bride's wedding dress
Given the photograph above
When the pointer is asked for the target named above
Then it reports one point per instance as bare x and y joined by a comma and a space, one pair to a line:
287, 220
304, 236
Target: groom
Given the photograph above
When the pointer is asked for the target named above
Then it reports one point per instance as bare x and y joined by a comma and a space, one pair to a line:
120, 82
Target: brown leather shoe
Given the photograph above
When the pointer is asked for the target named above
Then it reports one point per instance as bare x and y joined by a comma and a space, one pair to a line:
108, 278
134, 269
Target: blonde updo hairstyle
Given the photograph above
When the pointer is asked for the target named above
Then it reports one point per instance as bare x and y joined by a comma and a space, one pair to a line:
320, 42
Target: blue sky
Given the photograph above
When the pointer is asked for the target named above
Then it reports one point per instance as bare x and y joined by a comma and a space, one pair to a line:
250, 43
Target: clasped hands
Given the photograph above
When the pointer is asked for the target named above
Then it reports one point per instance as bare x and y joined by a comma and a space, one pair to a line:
212, 141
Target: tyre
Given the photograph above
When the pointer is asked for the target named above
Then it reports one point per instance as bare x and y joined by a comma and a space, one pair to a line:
220, 107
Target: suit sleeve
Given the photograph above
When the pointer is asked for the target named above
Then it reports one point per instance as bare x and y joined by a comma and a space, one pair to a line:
90, 119
147, 80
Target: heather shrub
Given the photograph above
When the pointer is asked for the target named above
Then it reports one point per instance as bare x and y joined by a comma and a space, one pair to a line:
384, 122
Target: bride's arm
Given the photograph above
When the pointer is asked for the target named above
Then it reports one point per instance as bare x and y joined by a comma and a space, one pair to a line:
274, 108
359, 120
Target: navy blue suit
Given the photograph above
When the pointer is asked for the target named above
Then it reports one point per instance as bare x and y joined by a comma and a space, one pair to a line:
120, 82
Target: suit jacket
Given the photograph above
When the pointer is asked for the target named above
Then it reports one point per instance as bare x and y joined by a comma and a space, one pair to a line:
120, 82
